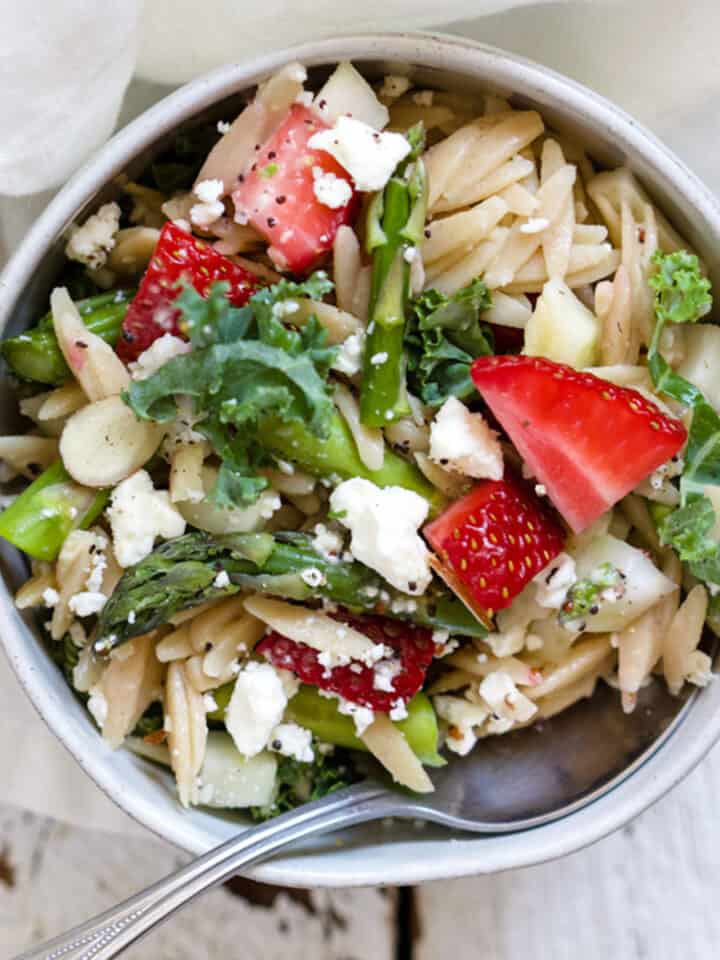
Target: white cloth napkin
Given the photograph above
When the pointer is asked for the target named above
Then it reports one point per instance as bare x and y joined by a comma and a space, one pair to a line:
62, 79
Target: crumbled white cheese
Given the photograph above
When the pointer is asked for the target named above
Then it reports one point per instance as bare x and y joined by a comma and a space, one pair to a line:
222, 580
462, 719
535, 225
209, 703
162, 350
378, 359
350, 355
211, 207
98, 706
285, 308
410, 254
329, 189
92, 242
256, 707
444, 643
368, 155
554, 581
384, 522
362, 716
463, 442
223, 127
394, 86
292, 740
698, 668
399, 710
86, 603
131, 617
50, 597
424, 98
98, 565
506, 702
403, 605
138, 514
313, 577
384, 675
328, 543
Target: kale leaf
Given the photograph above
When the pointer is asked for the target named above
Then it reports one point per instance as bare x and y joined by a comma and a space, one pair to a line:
682, 295
444, 335
246, 364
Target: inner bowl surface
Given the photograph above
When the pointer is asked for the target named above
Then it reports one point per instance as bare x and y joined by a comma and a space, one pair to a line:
624, 769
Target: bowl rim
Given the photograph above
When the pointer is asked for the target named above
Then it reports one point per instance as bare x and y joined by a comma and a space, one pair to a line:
670, 758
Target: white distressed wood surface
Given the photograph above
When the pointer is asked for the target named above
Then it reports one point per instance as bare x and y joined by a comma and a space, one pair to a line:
53, 876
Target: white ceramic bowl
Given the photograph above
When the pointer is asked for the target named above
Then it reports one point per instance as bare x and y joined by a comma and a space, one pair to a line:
373, 854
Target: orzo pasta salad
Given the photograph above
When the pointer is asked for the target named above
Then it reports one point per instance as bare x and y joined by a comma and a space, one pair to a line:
374, 419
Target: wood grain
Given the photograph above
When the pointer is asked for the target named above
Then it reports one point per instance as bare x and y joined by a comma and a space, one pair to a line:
53, 876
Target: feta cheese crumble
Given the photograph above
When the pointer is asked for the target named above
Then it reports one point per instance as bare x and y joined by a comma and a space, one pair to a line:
328, 543
292, 740
163, 349
313, 577
50, 597
222, 580
329, 189
92, 242
463, 442
506, 702
350, 355
138, 515
86, 603
368, 156
384, 674
211, 207
362, 716
462, 719
554, 581
384, 524
223, 127
256, 707
378, 359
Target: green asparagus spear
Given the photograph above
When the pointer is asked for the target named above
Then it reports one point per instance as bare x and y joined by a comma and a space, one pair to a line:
337, 454
182, 574
40, 519
35, 354
321, 715
395, 223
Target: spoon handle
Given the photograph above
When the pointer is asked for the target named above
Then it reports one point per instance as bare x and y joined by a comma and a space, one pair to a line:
110, 933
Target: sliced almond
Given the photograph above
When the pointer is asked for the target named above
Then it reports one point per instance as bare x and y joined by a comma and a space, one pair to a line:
94, 363
104, 443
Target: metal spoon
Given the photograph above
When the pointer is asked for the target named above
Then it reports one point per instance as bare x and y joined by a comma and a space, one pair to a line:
506, 784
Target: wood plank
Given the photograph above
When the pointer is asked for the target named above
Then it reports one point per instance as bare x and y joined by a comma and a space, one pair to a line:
53, 876
648, 892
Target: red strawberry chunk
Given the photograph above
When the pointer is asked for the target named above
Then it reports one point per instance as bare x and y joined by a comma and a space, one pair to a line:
588, 441
403, 673
277, 195
178, 256
492, 542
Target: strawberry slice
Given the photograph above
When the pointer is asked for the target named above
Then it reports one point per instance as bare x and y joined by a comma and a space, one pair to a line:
178, 256
588, 441
404, 675
279, 194
492, 542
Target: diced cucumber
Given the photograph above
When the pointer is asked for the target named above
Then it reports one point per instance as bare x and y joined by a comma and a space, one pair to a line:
701, 364
229, 780
644, 583
562, 328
